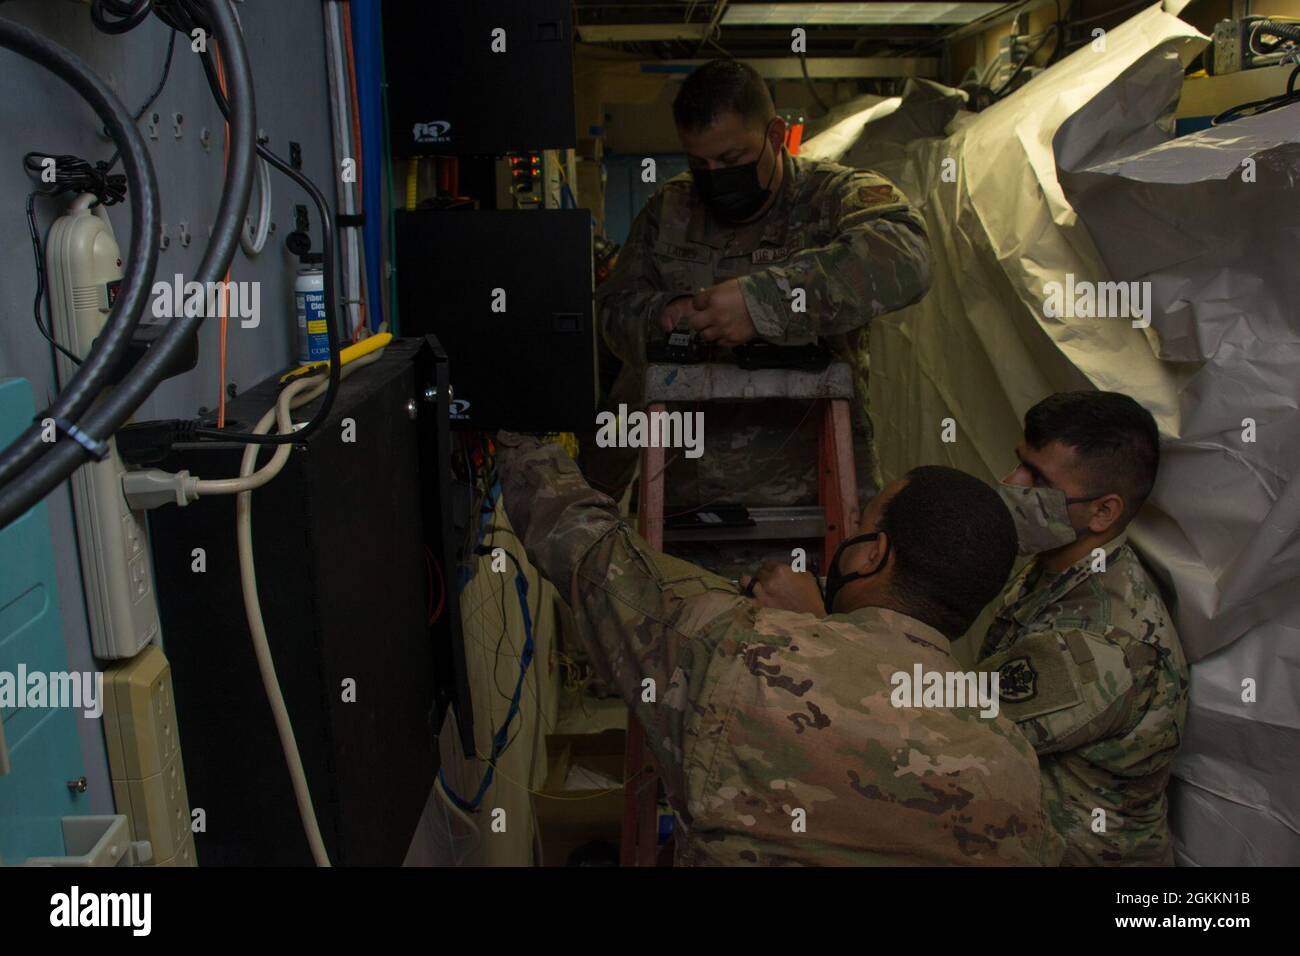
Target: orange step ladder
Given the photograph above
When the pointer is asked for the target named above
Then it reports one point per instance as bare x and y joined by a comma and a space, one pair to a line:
836, 512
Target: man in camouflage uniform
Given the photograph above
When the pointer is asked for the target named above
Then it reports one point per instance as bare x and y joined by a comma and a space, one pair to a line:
773, 730
755, 244
1090, 665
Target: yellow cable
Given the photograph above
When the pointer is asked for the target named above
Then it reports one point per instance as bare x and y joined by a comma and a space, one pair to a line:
349, 354
412, 182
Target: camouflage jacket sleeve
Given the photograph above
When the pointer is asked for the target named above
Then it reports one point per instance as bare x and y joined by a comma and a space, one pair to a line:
555, 513
630, 300
878, 261
1069, 688
640, 614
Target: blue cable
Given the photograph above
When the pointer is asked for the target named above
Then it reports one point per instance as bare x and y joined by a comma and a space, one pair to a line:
367, 41
502, 736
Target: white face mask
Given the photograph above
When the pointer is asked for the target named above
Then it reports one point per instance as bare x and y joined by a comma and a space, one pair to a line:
1042, 516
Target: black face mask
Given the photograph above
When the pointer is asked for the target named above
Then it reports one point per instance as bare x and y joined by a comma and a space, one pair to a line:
733, 194
835, 580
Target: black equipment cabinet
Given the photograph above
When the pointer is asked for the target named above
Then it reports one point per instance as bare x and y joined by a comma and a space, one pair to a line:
450, 93
350, 542
509, 295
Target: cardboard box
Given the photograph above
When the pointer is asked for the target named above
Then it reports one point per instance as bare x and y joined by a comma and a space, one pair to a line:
570, 817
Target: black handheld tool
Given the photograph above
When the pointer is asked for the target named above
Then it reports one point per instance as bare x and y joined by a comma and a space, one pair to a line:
679, 347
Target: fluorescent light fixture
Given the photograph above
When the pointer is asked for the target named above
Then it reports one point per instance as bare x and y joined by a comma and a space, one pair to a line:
819, 68
637, 32
839, 14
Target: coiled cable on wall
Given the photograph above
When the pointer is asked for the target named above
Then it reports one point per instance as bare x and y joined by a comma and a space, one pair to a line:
253, 238
20, 485
31, 468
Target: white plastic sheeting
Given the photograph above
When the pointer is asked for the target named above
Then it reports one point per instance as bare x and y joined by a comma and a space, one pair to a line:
1210, 221
1078, 174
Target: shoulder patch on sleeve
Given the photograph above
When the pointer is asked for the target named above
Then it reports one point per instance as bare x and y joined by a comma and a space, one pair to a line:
1034, 677
861, 191
880, 195
1018, 681
1080, 687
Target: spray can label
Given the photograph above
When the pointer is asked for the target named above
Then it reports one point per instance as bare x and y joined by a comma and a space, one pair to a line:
313, 339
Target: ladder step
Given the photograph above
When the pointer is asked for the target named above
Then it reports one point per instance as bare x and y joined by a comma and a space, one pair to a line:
770, 524
715, 382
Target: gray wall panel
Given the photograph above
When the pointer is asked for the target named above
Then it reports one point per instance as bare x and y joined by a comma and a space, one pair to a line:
37, 112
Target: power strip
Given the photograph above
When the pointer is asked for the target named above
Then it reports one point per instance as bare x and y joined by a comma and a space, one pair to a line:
144, 757
84, 269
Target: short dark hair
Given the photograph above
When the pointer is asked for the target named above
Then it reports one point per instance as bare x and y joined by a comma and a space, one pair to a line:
722, 86
954, 543
1115, 438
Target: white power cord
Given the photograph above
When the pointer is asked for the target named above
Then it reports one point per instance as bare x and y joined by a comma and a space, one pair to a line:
298, 393
151, 487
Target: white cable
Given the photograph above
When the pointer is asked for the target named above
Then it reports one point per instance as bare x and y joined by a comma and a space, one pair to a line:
257, 628
151, 487
250, 481
298, 393
253, 237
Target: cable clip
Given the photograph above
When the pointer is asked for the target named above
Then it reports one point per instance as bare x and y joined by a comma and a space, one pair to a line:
97, 450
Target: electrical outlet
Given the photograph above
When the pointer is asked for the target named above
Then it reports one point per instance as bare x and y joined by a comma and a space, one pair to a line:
116, 569
144, 756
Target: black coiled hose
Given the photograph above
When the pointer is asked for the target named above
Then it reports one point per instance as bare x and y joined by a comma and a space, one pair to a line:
31, 468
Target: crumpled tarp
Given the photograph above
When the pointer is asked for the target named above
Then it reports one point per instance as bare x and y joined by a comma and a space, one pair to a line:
1078, 172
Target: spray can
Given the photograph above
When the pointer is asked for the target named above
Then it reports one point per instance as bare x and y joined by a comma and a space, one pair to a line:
309, 300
